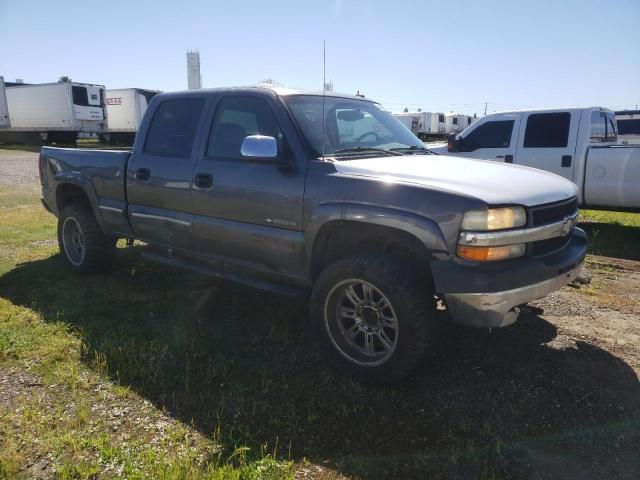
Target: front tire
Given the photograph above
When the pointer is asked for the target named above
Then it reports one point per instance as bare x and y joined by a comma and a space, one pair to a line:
373, 318
84, 247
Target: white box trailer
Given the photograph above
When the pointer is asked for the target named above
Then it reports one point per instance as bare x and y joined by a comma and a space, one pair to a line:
628, 127
54, 112
456, 122
125, 108
4, 110
424, 124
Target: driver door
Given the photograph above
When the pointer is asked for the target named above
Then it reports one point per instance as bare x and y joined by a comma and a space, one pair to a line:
248, 211
495, 139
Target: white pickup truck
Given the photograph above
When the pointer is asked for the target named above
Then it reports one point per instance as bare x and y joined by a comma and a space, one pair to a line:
576, 143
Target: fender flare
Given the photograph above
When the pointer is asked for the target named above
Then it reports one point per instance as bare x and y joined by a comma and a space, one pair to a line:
63, 178
424, 229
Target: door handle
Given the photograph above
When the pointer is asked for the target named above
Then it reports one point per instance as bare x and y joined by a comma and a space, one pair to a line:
566, 160
203, 180
499, 156
142, 174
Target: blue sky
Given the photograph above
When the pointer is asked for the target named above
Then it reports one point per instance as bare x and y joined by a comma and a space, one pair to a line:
440, 56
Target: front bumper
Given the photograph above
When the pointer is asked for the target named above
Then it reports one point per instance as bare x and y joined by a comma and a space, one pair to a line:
499, 309
489, 295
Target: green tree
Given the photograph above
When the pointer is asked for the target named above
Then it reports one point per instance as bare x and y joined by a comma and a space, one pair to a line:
64, 79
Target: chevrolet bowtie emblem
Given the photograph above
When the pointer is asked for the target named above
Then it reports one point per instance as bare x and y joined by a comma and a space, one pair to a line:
567, 226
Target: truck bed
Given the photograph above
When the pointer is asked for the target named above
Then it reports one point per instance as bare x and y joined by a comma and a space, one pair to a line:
100, 174
612, 174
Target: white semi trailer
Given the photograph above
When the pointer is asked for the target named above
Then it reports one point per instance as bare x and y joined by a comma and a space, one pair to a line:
4, 110
456, 122
628, 127
54, 112
125, 108
426, 125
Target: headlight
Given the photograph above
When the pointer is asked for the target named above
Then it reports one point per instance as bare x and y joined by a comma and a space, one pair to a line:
494, 219
490, 254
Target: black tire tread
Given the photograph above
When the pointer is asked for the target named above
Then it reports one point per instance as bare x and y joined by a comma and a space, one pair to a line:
100, 248
412, 292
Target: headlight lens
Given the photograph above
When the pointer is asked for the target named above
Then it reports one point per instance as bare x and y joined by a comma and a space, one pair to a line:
489, 254
494, 218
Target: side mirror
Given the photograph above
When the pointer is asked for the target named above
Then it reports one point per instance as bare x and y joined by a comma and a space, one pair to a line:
452, 143
259, 147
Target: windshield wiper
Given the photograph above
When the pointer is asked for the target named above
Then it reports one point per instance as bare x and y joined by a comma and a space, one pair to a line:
414, 149
360, 149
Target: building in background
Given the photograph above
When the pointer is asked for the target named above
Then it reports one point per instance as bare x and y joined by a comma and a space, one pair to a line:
194, 78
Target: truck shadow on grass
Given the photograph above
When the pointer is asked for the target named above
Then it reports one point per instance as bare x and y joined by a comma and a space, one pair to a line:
485, 405
613, 239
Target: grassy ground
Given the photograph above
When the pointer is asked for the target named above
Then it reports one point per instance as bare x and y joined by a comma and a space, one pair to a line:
79, 359
614, 234
148, 372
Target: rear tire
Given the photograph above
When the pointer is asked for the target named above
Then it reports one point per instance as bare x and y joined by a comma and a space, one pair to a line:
84, 247
373, 318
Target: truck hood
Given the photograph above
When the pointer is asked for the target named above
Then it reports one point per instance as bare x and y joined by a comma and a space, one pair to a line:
492, 182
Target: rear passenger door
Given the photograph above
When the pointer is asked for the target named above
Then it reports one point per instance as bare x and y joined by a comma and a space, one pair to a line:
160, 171
493, 139
548, 142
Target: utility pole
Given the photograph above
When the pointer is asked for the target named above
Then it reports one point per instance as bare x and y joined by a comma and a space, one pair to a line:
485, 109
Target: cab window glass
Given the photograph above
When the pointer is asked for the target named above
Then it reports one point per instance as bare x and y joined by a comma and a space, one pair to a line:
603, 127
173, 127
547, 130
489, 135
237, 118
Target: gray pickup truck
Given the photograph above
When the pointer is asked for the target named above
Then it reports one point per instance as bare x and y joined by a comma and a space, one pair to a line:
292, 191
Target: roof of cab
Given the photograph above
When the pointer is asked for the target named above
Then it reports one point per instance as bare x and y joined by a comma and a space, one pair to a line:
551, 110
267, 90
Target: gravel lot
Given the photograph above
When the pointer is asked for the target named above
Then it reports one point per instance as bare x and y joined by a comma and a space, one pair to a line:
18, 168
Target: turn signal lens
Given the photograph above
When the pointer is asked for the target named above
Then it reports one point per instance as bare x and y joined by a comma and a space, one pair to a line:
494, 219
489, 254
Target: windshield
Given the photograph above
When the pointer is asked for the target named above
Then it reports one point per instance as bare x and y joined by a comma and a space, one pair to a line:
353, 127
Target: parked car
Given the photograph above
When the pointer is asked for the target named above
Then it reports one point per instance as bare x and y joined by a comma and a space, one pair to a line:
257, 186
628, 127
54, 112
579, 144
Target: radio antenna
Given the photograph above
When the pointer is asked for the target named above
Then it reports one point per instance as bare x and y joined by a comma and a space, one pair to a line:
324, 86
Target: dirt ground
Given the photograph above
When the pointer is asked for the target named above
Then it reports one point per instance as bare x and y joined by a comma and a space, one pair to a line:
562, 383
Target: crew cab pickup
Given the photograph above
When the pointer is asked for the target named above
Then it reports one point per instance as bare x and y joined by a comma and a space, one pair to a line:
576, 143
293, 192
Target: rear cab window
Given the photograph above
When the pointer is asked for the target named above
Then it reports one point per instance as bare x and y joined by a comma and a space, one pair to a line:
603, 127
173, 127
547, 130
